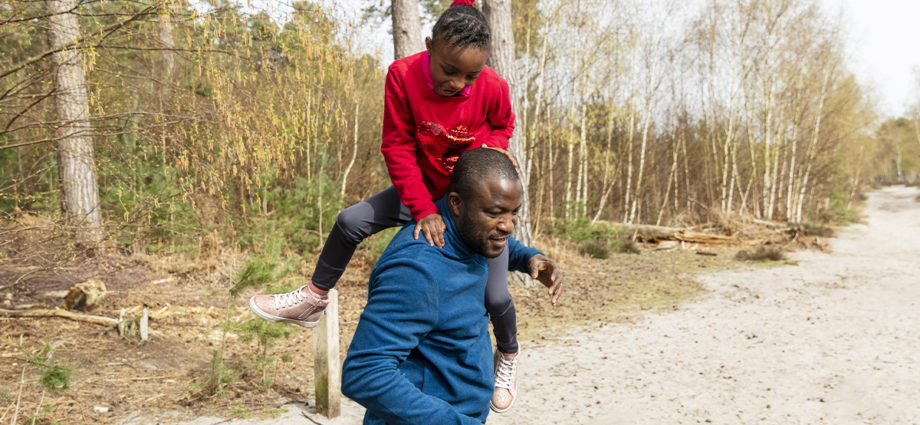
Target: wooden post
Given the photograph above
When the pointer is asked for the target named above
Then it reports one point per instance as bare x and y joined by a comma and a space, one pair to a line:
327, 369
143, 325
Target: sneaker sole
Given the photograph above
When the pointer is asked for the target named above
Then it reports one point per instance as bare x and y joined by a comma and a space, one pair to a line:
272, 318
497, 410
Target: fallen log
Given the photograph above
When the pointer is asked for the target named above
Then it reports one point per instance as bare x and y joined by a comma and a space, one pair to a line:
704, 238
648, 232
80, 317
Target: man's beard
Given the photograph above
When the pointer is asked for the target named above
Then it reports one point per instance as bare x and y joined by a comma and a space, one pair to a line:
475, 240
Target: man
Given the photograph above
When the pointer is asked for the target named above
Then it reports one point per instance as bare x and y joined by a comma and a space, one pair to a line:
421, 353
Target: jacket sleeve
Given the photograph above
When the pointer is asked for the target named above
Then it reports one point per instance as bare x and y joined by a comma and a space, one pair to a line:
500, 117
399, 149
518, 255
400, 312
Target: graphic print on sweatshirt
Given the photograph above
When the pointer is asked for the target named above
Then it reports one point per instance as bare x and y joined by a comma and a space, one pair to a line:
444, 147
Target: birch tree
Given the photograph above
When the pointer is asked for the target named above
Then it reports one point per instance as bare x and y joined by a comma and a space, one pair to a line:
498, 13
407, 28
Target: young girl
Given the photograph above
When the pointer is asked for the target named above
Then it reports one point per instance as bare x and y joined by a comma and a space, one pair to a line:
439, 103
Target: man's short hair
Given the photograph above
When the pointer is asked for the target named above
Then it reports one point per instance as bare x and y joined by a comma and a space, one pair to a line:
475, 165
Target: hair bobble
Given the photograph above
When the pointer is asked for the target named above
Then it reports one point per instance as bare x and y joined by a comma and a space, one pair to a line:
462, 3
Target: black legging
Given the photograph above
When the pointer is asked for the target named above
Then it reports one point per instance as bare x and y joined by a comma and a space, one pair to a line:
384, 210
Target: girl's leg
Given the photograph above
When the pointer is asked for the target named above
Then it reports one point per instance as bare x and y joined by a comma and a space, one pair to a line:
504, 326
500, 306
304, 306
352, 226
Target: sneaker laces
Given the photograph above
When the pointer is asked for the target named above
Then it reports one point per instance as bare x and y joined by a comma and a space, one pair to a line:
504, 376
289, 299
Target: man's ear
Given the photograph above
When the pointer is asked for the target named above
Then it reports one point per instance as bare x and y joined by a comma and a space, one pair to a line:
428, 44
454, 203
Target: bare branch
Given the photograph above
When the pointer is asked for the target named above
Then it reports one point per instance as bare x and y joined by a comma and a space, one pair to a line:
104, 32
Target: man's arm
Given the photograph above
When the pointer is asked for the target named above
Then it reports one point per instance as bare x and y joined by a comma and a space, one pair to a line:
537, 265
518, 255
402, 308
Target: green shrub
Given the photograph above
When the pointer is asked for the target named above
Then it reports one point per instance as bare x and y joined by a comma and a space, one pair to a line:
146, 199
580, 230
594, 248
596, 240
762, 253
625, 245
840, 209
259, 272
55, 376
300, 216
217, 378
812, 229
265, 332
41, 417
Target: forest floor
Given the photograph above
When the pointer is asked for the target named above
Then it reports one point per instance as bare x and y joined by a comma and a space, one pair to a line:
664, 336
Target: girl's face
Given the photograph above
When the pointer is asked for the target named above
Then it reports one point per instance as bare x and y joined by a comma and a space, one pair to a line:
454, 68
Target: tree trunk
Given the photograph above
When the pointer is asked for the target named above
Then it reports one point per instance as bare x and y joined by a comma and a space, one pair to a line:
634, 215
629, 164
917, 128
354, 150
581, 188
790, 174
407, 29
164, 33
813, 147
550, 166
79, 190
606, 186
672, 177
568, 169
498, 13
538, 102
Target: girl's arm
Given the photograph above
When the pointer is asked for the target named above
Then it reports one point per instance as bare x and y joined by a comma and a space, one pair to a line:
500, 117
399, 149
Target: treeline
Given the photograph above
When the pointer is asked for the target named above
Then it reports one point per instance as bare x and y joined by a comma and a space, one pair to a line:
212, 126
663, 112
209, 126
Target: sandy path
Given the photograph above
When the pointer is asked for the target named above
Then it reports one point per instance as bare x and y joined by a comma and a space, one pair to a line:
833, 340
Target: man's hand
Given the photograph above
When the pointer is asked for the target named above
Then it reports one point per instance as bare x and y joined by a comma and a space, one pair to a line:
434, 227
547, 272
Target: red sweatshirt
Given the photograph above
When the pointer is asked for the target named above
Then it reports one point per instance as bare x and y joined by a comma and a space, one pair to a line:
424, 133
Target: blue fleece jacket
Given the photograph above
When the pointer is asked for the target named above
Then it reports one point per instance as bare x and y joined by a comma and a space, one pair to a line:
421, 353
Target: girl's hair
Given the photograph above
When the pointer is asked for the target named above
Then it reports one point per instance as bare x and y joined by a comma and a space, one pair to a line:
462, 25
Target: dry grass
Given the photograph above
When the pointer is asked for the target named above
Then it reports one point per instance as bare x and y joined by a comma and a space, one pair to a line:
189, 304
619, 288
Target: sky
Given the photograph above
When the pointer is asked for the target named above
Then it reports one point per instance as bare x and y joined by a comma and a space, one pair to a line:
882, 41
883, 38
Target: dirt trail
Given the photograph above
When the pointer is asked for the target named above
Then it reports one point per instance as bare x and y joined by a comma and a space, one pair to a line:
832, 340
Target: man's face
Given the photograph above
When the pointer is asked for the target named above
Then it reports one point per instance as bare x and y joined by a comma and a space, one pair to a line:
488, 217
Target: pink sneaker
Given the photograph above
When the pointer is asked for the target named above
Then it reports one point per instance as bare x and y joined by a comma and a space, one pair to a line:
505, 382
293, 307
